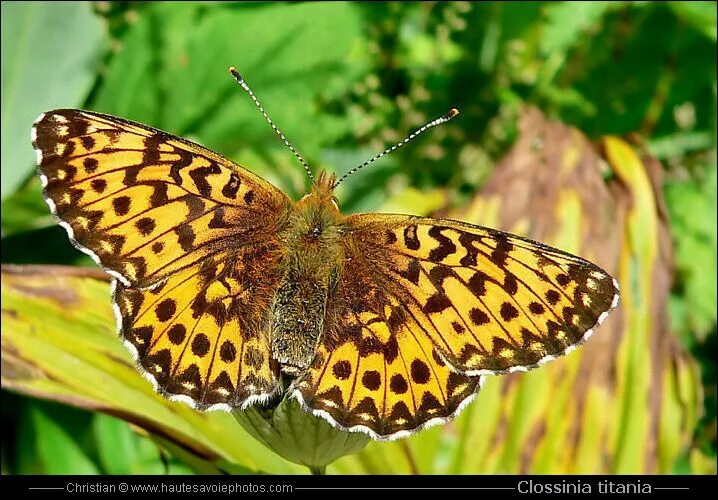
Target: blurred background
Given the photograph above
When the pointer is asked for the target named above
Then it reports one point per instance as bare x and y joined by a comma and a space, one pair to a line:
590, 126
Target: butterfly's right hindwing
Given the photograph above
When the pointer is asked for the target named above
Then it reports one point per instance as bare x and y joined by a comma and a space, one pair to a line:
201, 335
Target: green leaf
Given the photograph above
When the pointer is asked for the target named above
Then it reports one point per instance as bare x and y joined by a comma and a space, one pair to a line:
50, 55
680, 143
696, 245
172, 72
702, 15
59, 343
193, 463
116, 444
25, 210
567, 22
57, 449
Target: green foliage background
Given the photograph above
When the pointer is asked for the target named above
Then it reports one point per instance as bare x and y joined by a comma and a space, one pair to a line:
343, 80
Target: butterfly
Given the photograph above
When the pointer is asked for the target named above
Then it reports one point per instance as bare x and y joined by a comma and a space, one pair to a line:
228, 294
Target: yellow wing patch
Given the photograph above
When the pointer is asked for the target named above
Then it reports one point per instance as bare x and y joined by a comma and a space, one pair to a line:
144, 203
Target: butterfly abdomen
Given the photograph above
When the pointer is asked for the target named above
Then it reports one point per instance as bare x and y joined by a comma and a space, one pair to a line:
298, 320
311, 267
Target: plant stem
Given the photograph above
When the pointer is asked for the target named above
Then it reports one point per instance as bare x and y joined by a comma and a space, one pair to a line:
318, 470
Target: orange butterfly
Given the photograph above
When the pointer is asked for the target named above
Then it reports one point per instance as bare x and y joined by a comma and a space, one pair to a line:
228, 294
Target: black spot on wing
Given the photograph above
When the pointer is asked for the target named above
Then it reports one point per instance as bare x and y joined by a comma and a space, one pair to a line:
230, 189
410, 238
199, 177
446, 246
200, 345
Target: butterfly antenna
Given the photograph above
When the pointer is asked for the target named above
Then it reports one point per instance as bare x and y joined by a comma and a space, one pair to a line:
246, 88
438, 121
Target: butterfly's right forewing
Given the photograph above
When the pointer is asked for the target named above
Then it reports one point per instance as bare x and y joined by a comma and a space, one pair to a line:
492, 302
143, 203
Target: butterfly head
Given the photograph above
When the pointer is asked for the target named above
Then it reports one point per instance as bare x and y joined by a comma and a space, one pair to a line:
322, 192
326, 182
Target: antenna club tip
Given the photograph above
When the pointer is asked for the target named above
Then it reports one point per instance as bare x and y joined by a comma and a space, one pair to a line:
233, 71
451, 113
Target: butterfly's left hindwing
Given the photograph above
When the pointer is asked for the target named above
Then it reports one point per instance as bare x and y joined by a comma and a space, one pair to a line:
143, 203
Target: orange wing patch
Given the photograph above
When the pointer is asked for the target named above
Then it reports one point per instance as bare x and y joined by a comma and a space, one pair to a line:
198, 336
375, 370
143, 203
491, 302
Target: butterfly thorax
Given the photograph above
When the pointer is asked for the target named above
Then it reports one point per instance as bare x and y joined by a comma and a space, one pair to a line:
312, 264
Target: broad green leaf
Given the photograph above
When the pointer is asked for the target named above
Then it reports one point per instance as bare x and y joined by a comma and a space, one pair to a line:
702, 15
50, 55
182, 84
59, 343
58, 449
